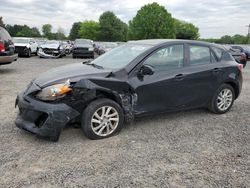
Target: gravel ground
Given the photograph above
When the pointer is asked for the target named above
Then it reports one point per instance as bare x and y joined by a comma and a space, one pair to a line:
185, 149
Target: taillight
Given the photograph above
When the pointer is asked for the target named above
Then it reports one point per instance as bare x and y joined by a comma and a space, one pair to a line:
2, 48
240, 67
243, 56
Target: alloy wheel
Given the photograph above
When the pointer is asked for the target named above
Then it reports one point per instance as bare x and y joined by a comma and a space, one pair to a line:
104, 121
224, 99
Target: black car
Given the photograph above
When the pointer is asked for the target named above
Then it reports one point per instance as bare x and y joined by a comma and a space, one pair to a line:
83, 48
7, 48
135, 79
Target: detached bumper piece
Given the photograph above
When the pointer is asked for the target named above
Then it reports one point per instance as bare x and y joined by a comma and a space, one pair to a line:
43, 119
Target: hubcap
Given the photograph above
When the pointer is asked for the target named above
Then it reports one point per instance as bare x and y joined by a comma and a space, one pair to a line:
224, 99
104, 121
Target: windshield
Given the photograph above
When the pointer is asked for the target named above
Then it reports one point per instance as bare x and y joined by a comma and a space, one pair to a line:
247, 48
110, 45
21, 40
121, 56
82, 41
52, 42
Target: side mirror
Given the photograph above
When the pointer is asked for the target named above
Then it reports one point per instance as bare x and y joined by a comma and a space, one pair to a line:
146, 70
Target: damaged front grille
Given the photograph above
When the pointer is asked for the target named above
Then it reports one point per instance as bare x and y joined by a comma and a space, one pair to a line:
19, 49
50, 51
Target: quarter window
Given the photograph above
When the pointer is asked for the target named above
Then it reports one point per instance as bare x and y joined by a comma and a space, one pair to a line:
199, 55
167, 58
218, 52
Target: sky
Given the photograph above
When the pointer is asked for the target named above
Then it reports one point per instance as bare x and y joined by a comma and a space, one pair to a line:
214, 18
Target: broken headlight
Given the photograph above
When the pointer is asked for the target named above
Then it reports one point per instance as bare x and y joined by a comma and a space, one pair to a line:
54, 92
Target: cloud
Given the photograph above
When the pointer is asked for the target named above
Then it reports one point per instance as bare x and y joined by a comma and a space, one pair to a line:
214, 18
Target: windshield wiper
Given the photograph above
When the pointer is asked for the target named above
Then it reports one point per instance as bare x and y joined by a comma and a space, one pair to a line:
94, 65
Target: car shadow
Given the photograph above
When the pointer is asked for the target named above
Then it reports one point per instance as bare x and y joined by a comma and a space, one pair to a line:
7, 70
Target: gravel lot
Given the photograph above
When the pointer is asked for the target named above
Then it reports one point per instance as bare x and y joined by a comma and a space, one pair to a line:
186, 149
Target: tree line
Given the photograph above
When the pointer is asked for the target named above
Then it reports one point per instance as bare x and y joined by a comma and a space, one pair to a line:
226, 39
151, 21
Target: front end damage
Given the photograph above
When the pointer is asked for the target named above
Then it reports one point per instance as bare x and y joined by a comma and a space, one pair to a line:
47, 119
49, 53
41, 118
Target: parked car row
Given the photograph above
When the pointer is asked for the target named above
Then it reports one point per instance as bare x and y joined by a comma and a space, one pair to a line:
241, 53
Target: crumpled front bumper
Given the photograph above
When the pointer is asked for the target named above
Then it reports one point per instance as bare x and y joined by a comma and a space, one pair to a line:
44, 55
43, 119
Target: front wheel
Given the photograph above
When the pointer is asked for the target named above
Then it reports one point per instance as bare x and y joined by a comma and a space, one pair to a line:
29, 53
223, 99
102, 118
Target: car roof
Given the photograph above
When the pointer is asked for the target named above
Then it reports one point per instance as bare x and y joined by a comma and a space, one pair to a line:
155, 42
21, 38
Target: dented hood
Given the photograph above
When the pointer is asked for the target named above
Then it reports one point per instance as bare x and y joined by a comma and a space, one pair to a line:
74, 72
50, 46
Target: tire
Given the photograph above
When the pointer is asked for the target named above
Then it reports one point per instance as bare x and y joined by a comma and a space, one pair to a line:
109, 127
216, 105
29, 53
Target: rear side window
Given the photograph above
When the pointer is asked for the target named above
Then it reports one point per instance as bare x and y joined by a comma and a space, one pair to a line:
200, 55
218, 52
4, 35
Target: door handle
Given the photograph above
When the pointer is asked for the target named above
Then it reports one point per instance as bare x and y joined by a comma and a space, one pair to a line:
179, 77
216, 70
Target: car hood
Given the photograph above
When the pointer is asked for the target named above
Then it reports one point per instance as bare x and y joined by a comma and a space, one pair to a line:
20, 44
83, 46
74, 72
51, 46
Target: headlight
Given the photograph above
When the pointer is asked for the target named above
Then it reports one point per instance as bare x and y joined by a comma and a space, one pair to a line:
54, 92
40, 50
91, 49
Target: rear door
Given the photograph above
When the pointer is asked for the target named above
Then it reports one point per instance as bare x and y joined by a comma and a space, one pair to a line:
203, 74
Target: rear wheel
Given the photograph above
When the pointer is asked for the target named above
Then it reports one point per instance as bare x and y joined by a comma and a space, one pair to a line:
102, 118
223, 99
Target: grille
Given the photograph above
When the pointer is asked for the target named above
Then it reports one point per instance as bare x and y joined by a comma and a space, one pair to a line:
19, 49
49, 51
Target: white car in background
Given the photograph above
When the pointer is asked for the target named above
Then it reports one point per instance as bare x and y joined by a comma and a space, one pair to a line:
25, 46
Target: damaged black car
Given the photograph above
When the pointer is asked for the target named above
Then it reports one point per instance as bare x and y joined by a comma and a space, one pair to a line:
136, 79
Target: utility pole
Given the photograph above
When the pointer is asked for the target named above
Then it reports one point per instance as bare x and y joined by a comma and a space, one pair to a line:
248, 34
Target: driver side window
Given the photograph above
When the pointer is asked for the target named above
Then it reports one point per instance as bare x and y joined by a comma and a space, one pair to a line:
168, 58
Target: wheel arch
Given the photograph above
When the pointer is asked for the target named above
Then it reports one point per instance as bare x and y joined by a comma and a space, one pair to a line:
235, 87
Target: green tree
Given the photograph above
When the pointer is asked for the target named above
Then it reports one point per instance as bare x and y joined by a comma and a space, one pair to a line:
226, 40
1, 22
239, 39
35, 32
26, 31
74, 31
90, 30
112, 28
186, 30
59, 35
152, 21
47, 28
